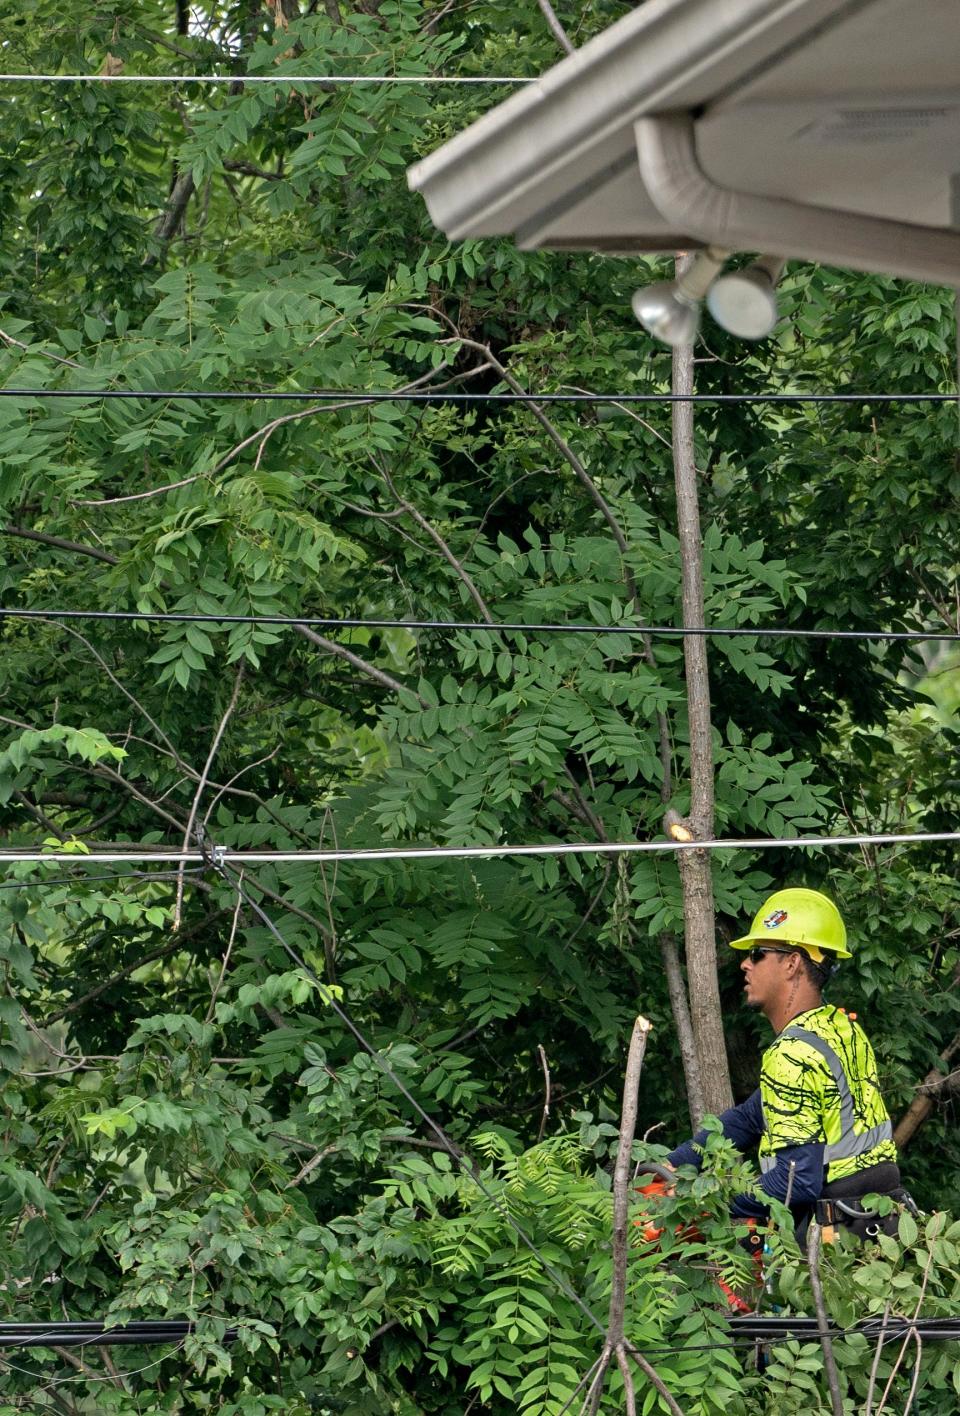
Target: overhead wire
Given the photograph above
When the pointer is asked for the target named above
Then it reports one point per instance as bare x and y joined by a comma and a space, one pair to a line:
140, 876
305, 856
482, 626
356, 396
423, 79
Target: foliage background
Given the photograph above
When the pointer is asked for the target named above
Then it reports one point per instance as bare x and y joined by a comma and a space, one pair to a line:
187, 1128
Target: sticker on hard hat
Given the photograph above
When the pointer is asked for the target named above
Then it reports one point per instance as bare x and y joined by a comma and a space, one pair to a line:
773, 921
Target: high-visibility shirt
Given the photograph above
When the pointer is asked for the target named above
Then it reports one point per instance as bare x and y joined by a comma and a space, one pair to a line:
819, 1084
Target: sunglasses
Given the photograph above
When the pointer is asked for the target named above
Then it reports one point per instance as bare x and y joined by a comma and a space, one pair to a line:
757, 952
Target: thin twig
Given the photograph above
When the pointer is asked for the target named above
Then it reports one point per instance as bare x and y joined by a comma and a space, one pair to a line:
871, 1384
546, 1092
916, 1313
311, 1166
269, 428
329, 940
142, 496
430, 530
591, 1402
31, 349
916, 1372
226, 954
587, 1377
194, 805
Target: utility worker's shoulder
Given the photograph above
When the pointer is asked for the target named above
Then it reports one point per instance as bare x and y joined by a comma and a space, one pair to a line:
789, 1056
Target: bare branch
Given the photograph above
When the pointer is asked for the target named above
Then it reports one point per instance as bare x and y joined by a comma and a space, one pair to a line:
546, 1092
621, 1179
227, 952
171, 218
629, 1395
814, 1238
438, 541
616, 1344
141, 496
60, 544
32, 349
194, 805
311, 1166
555, 27
377, 675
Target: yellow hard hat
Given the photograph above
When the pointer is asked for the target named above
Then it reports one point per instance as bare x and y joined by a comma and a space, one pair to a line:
804, 918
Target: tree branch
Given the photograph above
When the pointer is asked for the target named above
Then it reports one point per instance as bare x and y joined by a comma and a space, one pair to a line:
555, 27
28, 349
170, 948
171, 218
421, 521
60, 544
377, 675
194, 805
814, 1237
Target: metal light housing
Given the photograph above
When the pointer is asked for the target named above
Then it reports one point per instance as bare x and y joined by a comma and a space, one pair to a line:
670, 309
667, 314
744, 302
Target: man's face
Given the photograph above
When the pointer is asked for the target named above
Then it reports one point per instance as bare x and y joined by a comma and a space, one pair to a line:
765, 977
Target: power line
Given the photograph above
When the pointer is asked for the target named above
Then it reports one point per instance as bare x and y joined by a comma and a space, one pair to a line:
355, 396
424, 79
226, 856
662, 631
137, 875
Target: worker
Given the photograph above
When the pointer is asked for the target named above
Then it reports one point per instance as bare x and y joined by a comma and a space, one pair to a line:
823, 1130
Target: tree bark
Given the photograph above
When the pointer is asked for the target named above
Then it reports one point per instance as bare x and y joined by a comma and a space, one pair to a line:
695, 871
922, 1105
682, 1021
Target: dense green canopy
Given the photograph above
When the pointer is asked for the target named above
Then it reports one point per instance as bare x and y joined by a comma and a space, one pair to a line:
189, 1129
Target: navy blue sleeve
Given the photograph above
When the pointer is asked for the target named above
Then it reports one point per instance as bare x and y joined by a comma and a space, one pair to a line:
743, 1125
805, 1189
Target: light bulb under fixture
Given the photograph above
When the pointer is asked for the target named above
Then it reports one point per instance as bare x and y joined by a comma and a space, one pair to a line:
744, 302
670, 309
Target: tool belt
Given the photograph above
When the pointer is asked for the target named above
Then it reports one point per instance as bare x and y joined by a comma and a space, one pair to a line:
847, 1214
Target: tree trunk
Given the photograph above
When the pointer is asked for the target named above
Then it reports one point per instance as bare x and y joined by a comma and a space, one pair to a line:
680, 1006
695, 872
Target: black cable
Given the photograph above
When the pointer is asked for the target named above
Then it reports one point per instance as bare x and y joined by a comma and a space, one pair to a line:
138, 875
470, 626
385, 396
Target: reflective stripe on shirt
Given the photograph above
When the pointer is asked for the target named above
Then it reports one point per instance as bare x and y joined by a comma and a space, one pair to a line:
851, 1142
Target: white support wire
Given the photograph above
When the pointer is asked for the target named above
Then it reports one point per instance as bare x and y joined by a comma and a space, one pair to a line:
262, 79
220, 855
